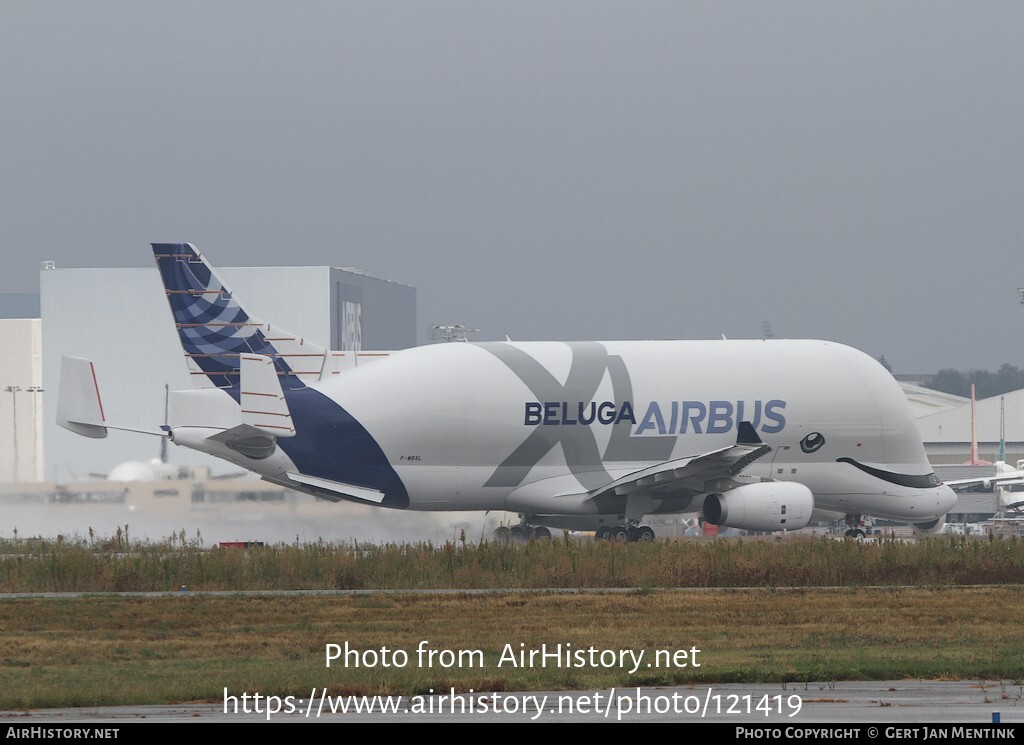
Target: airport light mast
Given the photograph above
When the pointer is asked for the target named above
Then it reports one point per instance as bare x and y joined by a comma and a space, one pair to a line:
13, 390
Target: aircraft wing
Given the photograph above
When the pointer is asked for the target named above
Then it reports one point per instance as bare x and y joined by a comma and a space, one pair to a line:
692, 475
674, 479
1004, 478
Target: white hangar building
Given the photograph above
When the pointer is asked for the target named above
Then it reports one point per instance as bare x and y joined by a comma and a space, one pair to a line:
947, 433
120, 319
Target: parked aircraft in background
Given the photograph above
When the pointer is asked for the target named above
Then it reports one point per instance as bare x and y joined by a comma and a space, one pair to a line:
1004, 477
1004, 480
578, 435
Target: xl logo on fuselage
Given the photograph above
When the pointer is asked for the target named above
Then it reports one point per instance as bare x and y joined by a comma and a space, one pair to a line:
572, 409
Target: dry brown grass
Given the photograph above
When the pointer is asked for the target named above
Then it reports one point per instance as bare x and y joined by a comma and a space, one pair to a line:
118, 565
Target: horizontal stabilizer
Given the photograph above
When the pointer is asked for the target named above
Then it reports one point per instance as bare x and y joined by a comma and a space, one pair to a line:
79, 408
263, 403
346, 490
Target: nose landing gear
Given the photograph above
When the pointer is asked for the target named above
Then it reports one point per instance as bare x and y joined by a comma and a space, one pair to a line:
854, 530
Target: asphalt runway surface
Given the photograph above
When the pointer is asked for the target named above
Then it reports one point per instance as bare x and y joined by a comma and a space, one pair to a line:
862, 703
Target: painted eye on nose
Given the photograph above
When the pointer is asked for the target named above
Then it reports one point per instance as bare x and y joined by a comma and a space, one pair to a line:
812, 442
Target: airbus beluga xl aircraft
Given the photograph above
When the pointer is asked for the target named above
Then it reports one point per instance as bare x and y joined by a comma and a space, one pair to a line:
579, 435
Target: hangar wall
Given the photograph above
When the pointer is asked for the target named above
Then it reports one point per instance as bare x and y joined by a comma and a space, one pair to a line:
119, 318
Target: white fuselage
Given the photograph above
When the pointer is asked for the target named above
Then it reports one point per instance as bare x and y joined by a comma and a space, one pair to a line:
533, 426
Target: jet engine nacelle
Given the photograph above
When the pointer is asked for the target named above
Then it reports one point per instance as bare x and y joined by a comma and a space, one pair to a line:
768, 505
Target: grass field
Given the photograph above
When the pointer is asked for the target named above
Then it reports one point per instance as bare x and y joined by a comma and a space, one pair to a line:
121, 649
97, 650
118, 564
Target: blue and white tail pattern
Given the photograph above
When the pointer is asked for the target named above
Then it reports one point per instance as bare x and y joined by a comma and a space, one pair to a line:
214, 329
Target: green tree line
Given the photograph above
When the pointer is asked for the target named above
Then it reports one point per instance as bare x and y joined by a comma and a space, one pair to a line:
986, 383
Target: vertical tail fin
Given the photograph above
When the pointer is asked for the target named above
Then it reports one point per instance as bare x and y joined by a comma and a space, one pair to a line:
214, 329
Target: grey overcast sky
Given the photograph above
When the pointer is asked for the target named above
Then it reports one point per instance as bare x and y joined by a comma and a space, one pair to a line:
547, 170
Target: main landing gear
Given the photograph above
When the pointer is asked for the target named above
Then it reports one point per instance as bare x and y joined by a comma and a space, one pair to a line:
524, 532
624, 534
521, 533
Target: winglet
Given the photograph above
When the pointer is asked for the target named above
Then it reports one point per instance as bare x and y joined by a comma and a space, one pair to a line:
747, 435
79, 407
748, 439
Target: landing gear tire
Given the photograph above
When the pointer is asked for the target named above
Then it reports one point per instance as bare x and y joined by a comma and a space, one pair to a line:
542, 534
520, 534
620, 535
503, 535
604, 533
644, 535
